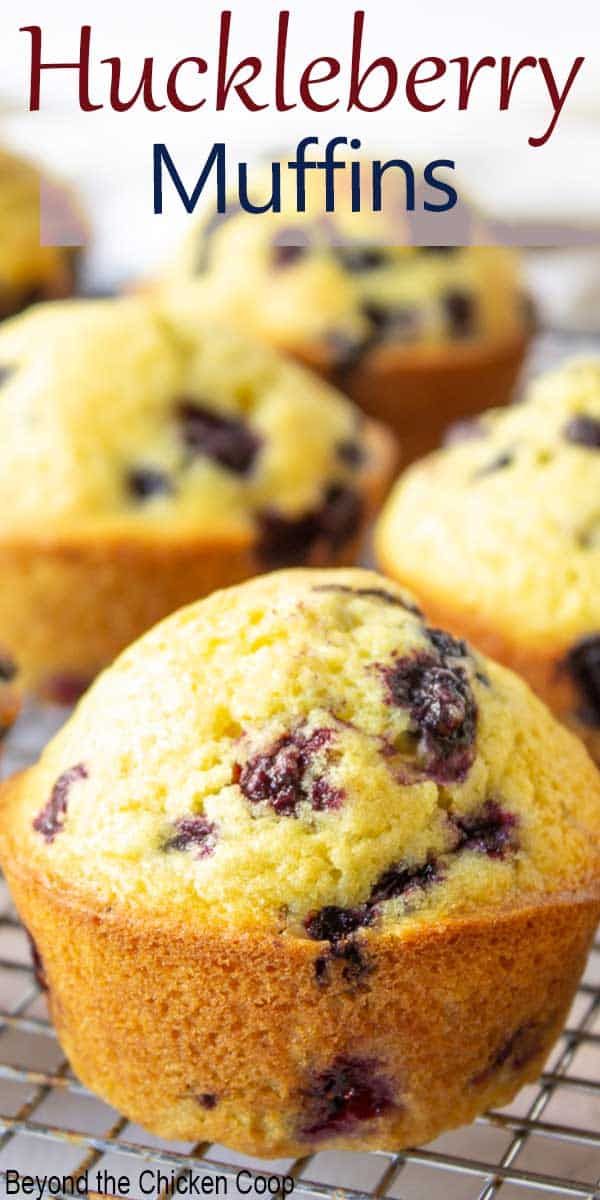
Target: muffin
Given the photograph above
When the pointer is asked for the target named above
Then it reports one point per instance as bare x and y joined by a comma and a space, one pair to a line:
417, 335
499, 537
304, 872
142, 466
30, 271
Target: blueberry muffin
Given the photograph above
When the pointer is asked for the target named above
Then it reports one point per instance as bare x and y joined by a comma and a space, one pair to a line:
143, 465
499, 536
30, 271
305, 872
417, 335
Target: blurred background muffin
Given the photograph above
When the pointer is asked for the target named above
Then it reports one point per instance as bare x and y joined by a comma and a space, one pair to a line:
499, 537
417, 334
144, 463
29, 269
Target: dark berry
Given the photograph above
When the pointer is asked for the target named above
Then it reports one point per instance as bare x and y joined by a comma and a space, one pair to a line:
355, 966
289, 246
461, 313
195, 832
145, 482
280, 777
290, 541
400, 879
226, 440
437, 692
285, 541
583, 664
51, 819
349, 957
446, 645
333, 924
350, 453
323, 796
8, 668
274, 777
443, 712
583, 431
37, 963
491, 830
440, 704
338, 926
358, 259
385, 324
341, 1097
500, 462
390, 324
207, 1100
340, 515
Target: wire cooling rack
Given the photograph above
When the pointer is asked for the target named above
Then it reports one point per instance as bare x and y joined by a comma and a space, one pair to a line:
547, 1143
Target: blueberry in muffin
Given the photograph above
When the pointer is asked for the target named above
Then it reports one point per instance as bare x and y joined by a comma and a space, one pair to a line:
499, 537
305, 871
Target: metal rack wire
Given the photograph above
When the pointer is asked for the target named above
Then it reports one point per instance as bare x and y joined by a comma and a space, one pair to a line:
547, 1143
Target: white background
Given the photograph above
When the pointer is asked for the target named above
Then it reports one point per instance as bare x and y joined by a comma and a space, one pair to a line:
110, 155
